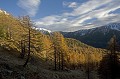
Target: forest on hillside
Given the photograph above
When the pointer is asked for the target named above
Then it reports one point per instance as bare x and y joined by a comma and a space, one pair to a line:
26, 53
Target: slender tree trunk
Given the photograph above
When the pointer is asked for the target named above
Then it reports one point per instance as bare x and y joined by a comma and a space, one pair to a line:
55, 58
59, 61
113, 65
28, 48
24, 48
88, 73
10, 35
88, 68
21, 54
62, 62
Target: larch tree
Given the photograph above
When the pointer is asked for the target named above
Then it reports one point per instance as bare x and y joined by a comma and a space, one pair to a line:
61, 50
27, 21
110, 65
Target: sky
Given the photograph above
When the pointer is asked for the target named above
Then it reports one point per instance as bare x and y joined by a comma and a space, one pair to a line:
65, 15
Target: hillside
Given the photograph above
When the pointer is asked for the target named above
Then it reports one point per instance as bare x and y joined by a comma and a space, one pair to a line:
96, 37
71, 53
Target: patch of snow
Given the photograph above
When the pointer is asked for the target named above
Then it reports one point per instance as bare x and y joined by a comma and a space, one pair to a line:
42, 29
114, 26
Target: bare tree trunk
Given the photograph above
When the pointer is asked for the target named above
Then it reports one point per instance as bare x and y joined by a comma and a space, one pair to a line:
62, 61
113, 53
24, 48
88, 72
55, 58
21, 54
59, 61
10, 34
28, 48
88, 68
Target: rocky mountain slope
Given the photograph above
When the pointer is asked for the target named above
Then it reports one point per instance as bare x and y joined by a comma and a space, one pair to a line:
97, 37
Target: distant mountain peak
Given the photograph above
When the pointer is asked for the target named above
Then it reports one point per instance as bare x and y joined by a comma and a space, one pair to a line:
106, 28
114, 26
97, 37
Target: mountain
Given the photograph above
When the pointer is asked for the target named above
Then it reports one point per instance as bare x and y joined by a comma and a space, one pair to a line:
42, 30
96, 37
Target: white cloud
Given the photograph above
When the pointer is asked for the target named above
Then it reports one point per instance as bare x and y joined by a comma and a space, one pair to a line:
88, 6
50, 20
98, 13
30, 6
73, 5
70, 4
75, 20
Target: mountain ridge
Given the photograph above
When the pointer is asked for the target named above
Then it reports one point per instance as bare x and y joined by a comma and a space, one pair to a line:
95, 36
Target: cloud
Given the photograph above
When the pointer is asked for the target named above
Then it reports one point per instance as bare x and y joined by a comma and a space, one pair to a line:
73, 5
101, 13
53, 23
31, 7
78, 17
70, 4
88, 6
